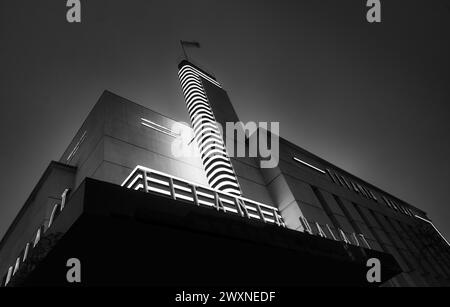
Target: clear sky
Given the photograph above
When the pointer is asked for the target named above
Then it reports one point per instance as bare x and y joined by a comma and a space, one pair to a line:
370, 98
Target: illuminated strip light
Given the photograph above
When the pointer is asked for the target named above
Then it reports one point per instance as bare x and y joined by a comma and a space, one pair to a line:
157, 127
25, 253
346, 183
41, 230
16, 266
55, 210
75, 149
205, 195
409, 212
204, 76
309, 165
428, 221
159, 190
355, 187
332, 176
213, 154
142, 178
138, 177
181, 196
352, 186
395, 206
9, 275
158, 181
387, 202
211, 203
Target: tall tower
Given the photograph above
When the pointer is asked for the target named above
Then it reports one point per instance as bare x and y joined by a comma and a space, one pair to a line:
215, 159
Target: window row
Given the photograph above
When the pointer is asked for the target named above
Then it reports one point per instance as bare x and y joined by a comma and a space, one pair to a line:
395, 206
351, 185
24, 254
366, 192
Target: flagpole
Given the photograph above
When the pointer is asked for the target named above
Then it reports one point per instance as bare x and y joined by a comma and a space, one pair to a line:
184, 51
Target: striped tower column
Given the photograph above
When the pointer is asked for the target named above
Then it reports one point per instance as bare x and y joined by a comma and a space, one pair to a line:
216, 162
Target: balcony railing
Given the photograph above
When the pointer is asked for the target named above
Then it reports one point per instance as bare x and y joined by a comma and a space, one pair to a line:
152, 181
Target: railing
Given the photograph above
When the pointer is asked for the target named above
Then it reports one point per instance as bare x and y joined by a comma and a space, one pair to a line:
152, 181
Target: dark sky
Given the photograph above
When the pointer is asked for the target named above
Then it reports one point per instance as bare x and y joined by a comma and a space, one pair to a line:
370, 98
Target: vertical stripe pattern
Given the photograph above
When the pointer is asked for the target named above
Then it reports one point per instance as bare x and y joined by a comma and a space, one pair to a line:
216, 162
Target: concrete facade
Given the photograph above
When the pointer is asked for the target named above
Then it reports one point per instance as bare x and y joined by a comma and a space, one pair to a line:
299, 190
116, 141
119, 134
337, 200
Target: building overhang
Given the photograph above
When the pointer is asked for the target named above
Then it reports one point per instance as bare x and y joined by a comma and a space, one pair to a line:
126, 237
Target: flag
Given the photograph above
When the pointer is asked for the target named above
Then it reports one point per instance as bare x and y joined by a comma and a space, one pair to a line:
188, 44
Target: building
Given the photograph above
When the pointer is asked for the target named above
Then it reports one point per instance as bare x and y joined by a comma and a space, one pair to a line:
132, 212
